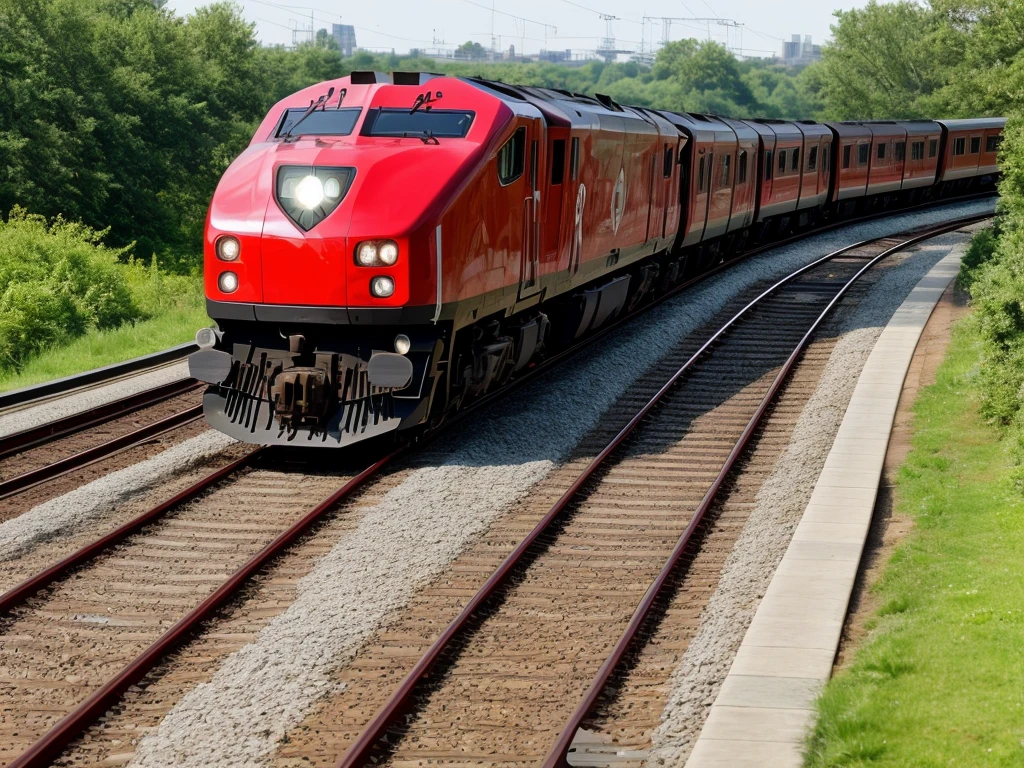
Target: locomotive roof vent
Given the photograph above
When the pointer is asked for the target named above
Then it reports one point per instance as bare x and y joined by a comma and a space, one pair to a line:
361, 77
413, 78
608, 102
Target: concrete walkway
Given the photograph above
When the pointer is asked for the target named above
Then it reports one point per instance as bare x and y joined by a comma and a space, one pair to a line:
765, 707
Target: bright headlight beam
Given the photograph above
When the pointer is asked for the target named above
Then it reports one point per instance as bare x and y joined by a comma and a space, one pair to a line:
310, 192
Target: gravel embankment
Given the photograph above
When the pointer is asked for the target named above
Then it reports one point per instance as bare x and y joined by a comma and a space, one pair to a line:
59, 407
474, 475
779, 506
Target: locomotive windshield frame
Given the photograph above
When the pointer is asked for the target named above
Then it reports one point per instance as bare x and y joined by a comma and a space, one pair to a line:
400, 123
322, 122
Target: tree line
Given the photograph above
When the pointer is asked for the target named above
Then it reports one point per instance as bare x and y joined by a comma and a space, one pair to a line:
122, 115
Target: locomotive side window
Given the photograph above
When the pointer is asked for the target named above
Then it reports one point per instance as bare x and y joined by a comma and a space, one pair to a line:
846, 155
574, 160
992, 143
812, 159
901, 151
959, 146
743, 167
975, 144
768, 165
796, 160
933, 148
666, 170
557, 162
863, 153
511, 158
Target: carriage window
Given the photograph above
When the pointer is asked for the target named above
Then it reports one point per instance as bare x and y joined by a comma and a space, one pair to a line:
825, 159
917, 150
743, 167
796, 160
846, 155
812, 159
881, 151
933, 148
700, 175
726, 164
975, 144
782, 161
901, 151
959, 146
768, 165
863, 152
574, 160
511, 158
667, 170
992, 143
557, 162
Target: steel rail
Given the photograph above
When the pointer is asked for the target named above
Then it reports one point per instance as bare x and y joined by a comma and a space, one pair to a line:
557, 756
69, 425
97, 376
49, 747
19, 594
79, 460
360, 752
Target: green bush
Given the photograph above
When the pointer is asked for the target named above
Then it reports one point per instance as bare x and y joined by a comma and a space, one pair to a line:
58, 281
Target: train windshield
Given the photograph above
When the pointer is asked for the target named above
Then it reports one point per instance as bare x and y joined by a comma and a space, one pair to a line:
322, 122
439, 123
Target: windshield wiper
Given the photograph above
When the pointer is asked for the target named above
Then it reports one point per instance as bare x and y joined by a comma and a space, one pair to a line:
322, 101
427, 136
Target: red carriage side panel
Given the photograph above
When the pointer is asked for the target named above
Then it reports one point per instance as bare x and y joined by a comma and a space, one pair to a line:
851, 160
922, 163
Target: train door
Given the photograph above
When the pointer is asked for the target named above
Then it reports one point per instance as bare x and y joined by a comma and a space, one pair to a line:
529, 276
553, 181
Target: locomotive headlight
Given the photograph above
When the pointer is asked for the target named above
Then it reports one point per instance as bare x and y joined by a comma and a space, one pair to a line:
402, 344
310, 192
366, 254
382, 287
388, 252
228, 282
228, 249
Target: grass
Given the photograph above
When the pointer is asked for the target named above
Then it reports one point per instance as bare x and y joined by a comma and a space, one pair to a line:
940, 680
99, 348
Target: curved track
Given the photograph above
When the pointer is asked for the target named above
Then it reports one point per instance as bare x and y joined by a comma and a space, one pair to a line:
588, 531
706, 464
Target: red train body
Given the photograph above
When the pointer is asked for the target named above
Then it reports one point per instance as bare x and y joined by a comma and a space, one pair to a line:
388, 249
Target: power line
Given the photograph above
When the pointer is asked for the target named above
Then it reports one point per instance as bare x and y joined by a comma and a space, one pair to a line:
511, 15
599, 13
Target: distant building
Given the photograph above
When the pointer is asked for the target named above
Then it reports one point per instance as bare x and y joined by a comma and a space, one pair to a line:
557, 57
797, 51
345, 34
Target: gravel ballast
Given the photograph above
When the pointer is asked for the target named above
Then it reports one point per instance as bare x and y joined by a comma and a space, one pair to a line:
474, 474
79, 402
779, 505
65, 514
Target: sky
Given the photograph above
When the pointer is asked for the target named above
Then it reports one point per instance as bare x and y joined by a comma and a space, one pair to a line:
541, 24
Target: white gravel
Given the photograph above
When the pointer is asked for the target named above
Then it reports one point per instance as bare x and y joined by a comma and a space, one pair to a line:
55, 408
478, 472
65, 514
779, 505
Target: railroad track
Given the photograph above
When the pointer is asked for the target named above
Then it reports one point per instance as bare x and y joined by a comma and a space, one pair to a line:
39, 454
207, 557
452, 705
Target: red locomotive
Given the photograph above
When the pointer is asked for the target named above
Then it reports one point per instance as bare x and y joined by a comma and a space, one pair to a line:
389, 248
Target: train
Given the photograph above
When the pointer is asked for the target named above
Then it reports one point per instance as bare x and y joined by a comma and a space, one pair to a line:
392, 248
